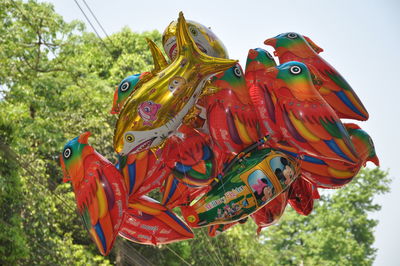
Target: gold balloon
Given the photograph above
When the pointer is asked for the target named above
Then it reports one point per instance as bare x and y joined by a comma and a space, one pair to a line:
204, 38
158, 106
158, 58
120, 96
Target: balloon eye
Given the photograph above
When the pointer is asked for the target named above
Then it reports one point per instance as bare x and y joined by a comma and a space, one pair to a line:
176, 82
269, 55
67, 153
125, 86
295, 70
292, 35
129, 138
171, 88
149, 102
237, 72
147, 109
193, 31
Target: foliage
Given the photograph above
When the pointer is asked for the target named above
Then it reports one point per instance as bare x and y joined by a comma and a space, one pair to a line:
57, 81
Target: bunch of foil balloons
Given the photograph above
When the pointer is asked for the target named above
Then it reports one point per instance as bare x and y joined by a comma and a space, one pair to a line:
220, 143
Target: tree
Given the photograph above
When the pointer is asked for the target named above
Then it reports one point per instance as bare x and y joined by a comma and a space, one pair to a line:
57, 82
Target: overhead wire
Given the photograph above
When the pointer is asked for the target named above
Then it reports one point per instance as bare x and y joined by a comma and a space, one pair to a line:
94, 29
98, 22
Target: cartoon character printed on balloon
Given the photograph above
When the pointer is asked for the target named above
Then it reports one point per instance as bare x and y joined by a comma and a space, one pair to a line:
177, 85
261, 186
148, 112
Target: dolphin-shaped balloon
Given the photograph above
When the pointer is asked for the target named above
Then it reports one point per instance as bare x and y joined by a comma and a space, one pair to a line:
157, 107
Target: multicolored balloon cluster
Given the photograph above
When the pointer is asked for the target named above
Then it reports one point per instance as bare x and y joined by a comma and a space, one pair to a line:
221, 143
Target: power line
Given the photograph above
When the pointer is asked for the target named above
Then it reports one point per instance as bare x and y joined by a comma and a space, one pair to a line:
98, 22
94, 29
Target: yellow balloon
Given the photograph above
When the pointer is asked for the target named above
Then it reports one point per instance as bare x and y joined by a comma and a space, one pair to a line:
158, 106
120, 95
204, 38
158, 58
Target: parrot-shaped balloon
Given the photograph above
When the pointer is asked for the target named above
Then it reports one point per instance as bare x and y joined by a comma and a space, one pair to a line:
99, 190
142, 172
306, 120
125, 89
131, 83
258, 63
191, 157
231, 116
330, 84
324, 172
155, 111
363, 144
149, 222
177, 193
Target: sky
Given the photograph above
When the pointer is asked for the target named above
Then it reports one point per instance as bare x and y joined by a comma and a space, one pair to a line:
360, 39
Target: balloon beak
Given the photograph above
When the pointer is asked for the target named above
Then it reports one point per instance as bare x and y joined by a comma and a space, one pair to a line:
375, 160
66, 177
83, 138
270, 41
115, 108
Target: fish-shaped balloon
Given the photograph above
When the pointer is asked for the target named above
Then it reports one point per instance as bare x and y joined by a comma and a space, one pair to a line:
328, 81
131, 83
158, 107
99, 190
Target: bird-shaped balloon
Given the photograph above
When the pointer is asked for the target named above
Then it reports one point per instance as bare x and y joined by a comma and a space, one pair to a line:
330, 84
363, 144
154, 112
99, 190
191, 156
131, 83
231, 116
306, 120
326, 173
142, 172
149, 222
126, 88
258, 63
